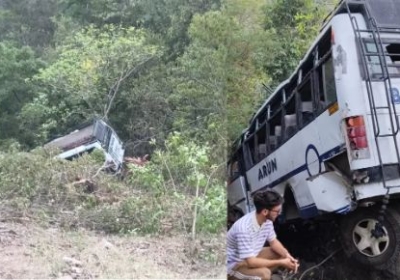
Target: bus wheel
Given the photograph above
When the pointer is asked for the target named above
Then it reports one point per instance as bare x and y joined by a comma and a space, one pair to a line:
360, 244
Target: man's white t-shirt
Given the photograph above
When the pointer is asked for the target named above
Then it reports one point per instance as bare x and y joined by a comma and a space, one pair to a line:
246, 238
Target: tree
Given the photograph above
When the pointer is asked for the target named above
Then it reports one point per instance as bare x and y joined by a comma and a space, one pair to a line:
28, 23
168, 19
291, 26
18, 65
219, 79
90, 74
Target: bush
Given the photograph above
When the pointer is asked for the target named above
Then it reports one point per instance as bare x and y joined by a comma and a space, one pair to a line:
182, 175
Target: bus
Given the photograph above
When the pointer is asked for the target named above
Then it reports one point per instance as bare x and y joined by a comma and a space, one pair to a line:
327, 138
92, 135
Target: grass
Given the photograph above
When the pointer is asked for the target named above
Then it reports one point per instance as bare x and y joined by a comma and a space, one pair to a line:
37, 187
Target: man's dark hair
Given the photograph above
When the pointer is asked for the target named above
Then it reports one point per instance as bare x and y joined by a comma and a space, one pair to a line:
267, 200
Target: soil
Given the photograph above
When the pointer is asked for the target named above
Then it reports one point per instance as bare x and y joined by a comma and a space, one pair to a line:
31, 251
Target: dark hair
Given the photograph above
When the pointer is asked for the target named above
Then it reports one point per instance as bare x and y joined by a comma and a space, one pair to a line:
267, 200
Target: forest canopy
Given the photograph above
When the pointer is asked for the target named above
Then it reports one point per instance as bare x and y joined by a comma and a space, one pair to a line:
150, 68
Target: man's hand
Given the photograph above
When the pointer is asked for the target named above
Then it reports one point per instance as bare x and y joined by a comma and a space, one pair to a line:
288, 255
290, 264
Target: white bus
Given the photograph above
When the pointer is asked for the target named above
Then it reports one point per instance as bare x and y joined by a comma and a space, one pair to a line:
327, 138
96, 134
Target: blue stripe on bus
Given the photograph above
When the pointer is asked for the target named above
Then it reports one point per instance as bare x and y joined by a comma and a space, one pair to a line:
285, 177
327, 155
331, 153
343, 210
310, 210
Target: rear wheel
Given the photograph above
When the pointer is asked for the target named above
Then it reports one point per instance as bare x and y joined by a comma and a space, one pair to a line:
362, 245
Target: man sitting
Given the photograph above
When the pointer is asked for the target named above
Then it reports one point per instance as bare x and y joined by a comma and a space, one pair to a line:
246, 255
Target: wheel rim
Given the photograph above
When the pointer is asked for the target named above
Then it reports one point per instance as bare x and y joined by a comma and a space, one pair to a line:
365, 242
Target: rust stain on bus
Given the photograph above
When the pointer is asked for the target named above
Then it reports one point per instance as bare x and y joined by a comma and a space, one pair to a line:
333, 108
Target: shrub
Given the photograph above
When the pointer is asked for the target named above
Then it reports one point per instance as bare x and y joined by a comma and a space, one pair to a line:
182, 175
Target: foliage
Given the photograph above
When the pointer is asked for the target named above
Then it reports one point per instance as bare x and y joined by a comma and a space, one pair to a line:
89, 75
28, 23
18, 64
157, 198
168, 19
291, 26
220, 79
104, 60
187, 73
182, 172
144, 111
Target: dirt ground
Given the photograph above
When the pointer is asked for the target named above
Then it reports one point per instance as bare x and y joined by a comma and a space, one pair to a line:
321, 255
30, 251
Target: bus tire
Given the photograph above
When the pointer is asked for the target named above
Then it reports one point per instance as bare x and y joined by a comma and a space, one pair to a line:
359, 245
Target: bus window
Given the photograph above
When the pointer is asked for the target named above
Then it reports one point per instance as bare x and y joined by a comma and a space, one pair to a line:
251, 144
261, 135
374, 67
275, 131
278, 133
325, 74
326, 84
262, 151
290, 119
275, 104
393, 51
247, 155
234, 166
392, 59
329, 82
307, 112
235, 169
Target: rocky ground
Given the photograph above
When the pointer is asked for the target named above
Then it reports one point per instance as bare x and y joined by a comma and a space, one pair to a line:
31, 251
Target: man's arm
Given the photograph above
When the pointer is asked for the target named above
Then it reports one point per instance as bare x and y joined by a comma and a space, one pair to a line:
255, 262
278, 248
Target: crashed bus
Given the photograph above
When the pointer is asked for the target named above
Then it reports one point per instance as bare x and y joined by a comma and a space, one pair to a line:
95, 135
327, 138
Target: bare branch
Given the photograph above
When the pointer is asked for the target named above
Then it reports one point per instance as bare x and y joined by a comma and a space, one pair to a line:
114, 89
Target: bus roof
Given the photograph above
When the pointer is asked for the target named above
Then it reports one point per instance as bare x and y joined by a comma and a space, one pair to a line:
385, 12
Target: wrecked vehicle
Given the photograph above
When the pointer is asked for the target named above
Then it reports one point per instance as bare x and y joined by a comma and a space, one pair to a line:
94, 135
328, 139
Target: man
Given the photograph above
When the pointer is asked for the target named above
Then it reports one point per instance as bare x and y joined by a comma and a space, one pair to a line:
246, 256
